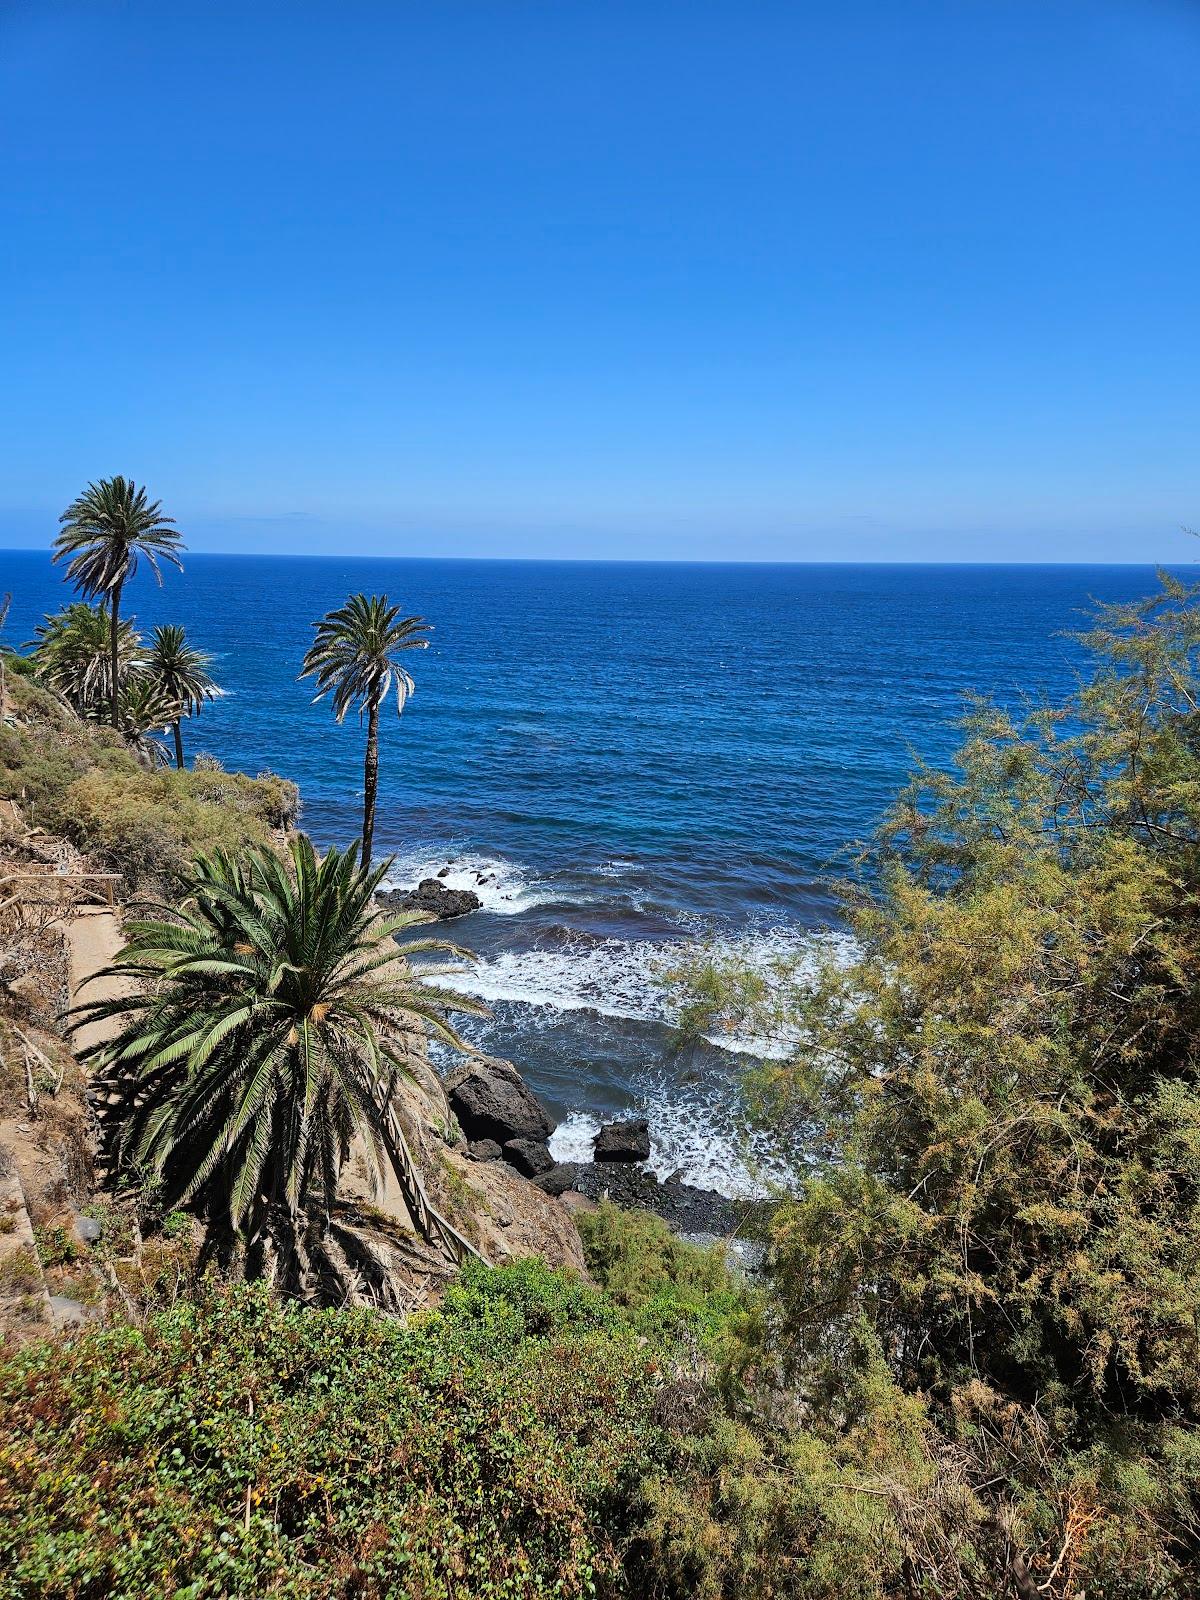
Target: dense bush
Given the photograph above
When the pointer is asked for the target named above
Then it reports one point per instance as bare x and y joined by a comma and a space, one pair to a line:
1005, 1204
78, 779
238, 1446
668, 1287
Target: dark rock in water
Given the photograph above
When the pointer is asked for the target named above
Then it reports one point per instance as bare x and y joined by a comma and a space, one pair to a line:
623, 1141
485, 1150
491, 1101
444, 873
434, 898
529, 1156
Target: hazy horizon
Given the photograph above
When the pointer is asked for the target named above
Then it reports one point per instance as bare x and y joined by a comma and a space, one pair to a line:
1168, 564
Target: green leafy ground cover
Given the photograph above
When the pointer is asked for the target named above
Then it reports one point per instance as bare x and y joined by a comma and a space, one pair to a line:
239, 1445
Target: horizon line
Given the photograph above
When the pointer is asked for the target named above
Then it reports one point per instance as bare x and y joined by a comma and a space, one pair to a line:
624, 561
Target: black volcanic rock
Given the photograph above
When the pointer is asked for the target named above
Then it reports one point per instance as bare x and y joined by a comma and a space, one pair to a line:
682, 1207
434, 898
491, 1101
529, 1156
485, 1150
559, 1178
623, 1141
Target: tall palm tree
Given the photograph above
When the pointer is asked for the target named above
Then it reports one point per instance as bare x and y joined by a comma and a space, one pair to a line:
271, 1024
182, 673
354, 657
72, 655
104, 532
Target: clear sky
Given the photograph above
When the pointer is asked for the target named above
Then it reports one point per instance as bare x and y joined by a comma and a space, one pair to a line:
826, 280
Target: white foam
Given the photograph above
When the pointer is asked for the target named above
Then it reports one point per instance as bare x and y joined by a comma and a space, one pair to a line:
623, 978
612, 977
694, 1138
572, 1139
503, 887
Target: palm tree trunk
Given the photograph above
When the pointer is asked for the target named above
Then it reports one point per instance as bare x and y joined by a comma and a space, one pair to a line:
114, 609
370, 784
178, 745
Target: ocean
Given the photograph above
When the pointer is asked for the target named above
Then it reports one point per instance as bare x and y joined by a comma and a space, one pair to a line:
619, 757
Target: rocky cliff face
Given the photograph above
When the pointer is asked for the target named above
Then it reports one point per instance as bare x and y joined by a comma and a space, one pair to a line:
500, 1212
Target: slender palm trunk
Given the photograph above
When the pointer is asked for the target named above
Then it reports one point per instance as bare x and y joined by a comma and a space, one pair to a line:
114, 609
178, 744
370, 784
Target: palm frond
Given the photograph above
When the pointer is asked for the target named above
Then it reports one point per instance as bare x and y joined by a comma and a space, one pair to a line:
269, 1028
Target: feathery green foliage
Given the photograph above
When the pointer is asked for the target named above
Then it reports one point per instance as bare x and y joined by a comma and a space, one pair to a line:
354, 658
72, 655
103, 534
1005, 1078
270, 1025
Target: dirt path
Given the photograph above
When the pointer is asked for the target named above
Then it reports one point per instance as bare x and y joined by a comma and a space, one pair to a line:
93, 939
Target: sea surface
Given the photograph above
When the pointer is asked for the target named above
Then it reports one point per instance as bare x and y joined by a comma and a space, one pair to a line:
619, 758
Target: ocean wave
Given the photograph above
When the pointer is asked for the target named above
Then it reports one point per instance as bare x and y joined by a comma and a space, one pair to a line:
694, 1135
504, 888
623, 978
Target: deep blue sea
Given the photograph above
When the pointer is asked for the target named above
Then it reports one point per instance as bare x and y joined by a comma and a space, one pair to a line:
627, 754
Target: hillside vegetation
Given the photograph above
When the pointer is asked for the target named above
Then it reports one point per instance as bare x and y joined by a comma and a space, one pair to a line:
969, 1368
79, 779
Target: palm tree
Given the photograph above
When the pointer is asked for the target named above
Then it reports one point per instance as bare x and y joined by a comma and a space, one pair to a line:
73, 656
144, 708
182, 674
271, 1025
354, 657
104, 531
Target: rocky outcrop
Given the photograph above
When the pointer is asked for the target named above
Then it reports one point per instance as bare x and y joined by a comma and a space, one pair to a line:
434, 899
502, 1213
485, 1150
529, 1156
623, 1141
682, 1206
491, 1101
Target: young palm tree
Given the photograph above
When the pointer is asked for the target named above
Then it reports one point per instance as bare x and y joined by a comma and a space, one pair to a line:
271, 1025
181, 672
354, 656
144, 708
72, 655
104, 532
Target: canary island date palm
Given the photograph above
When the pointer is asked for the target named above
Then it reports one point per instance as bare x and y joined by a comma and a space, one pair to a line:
272, 1021
104, 533
72, 656
181, 672
354, 659
144, 708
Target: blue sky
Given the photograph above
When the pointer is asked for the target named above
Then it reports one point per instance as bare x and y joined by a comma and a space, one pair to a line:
811, 281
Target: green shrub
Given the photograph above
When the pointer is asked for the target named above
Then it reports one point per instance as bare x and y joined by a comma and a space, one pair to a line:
78, 779
56, 1245
20, 1270
665, 1284
15, 665
240, 1446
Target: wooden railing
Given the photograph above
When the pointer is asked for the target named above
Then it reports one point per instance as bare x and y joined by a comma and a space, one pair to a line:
99, 885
